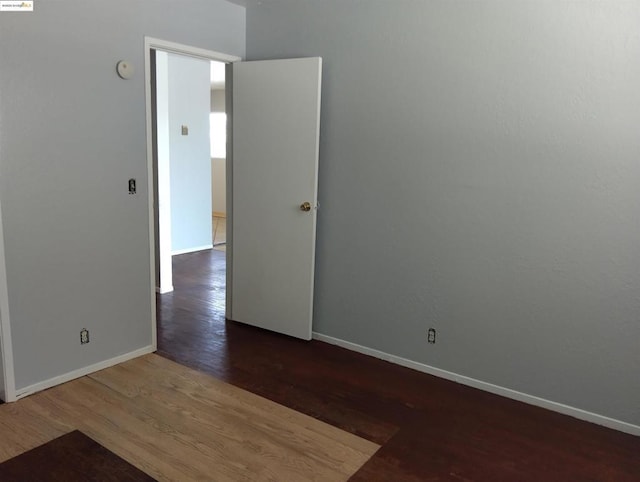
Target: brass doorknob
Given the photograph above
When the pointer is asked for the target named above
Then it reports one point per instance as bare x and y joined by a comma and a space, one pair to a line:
305, 206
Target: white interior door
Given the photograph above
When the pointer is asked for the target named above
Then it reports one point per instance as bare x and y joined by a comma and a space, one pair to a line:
275, 134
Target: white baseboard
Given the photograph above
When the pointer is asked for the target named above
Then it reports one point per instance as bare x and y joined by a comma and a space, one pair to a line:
487, 387
52, 382
191, 250
163, 290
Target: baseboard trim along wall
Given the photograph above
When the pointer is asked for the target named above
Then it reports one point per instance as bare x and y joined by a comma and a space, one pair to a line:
192, 250
487, 387
164, 290
67, 377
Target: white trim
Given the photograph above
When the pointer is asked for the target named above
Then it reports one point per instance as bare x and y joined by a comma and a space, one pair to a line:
52, 382
487, 387
162, 168
228, 301
176, 48
8, 391
150, 189
165, 46
191, 250
163, 290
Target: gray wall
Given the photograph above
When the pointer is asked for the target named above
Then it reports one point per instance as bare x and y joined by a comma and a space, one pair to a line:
71, 134
479, 174
218, 101
190, 162
2, 388
5, 328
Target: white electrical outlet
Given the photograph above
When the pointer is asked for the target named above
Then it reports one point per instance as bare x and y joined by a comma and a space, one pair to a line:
84, 336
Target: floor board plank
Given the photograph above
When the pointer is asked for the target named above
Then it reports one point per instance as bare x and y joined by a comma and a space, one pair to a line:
73, 457
178, 424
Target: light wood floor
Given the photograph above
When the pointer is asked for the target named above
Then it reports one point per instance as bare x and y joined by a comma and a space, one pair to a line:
178, 424
219, 225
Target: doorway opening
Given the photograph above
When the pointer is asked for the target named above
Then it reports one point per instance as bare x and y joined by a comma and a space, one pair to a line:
271, 224
218, 141
186, 144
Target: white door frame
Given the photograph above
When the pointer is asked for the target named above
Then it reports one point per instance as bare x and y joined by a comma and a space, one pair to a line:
8, 391
151, 43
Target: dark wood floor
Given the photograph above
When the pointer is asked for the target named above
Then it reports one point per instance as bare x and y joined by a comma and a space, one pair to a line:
71, 457
429, 428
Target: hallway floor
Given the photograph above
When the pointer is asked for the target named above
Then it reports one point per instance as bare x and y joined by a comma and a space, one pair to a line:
219, 225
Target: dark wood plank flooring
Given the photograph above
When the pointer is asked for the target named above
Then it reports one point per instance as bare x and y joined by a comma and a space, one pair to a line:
429, 428
70, 458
